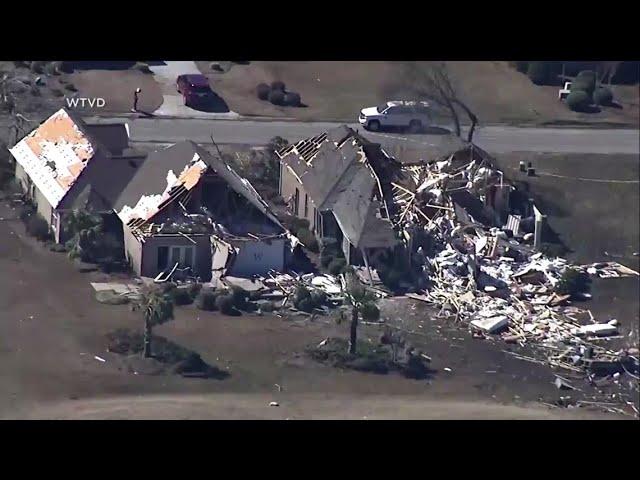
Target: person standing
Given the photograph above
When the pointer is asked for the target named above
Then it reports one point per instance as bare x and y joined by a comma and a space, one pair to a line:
136, 95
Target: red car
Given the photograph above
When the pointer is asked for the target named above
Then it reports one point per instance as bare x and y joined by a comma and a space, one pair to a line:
194, 88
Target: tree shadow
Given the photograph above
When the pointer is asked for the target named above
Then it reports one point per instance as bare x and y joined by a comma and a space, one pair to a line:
615, 105
156, 63
214, 104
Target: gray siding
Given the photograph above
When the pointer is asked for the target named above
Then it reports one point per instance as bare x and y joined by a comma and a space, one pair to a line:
149, 254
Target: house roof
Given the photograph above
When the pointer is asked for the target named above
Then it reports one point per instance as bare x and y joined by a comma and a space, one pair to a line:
167, 173
338, 171
55, 154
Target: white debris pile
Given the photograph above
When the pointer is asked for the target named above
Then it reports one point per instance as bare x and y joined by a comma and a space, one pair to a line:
490, 277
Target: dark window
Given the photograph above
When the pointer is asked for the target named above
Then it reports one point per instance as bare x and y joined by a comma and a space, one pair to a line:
296, 202
393, 111
163, 257
306, 205
188, 257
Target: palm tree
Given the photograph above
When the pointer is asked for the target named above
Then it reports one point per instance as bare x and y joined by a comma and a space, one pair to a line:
358, 296
157, 308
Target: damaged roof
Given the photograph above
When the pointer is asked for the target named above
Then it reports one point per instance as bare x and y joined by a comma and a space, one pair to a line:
338, 171
166, 174
55, 154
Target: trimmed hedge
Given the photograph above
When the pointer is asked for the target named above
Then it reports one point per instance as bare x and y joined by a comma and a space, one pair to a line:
578, 100
276, 97
602, 96
206, 300
278, 85
292, 99
224, 303
263, 90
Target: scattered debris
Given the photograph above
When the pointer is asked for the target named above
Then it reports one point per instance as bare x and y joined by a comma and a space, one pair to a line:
100, 359
274, 404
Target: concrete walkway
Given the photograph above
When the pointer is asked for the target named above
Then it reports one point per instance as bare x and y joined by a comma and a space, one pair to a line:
173, 104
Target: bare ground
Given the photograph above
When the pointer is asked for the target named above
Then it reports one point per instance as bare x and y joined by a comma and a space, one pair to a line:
51, 330
338, 90
117, 88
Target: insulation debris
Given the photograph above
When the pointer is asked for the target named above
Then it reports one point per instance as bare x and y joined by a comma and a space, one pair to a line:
479, 267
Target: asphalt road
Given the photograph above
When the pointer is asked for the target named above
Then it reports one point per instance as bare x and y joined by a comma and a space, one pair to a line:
495, 139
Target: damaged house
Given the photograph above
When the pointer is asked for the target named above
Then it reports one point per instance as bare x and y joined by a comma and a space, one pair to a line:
61, 165
341, 184
186, 209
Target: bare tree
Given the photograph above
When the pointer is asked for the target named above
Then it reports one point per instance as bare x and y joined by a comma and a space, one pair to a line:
431, 81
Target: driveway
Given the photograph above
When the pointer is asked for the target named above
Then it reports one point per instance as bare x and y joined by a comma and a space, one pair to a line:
173, 105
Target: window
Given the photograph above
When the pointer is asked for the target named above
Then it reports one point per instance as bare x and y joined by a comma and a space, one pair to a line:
296, 201
163, 258
184, 256
393, 111
306, 205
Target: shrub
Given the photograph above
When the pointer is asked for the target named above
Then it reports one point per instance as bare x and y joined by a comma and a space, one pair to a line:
539, 72
306, 305
578, 100
318, 297
337, 266
35, 91
276, 97
602, 96
38, 67
553, 249
141, 67
52, 68
297, 224
292, 99
66, 67
278, 85
326, 256
308, 239
370, 312
263, 90
224, 303
167, 288
391, 278
37, 227
585, 81
301, 293
206, 300
240, 297
573, 282
181, 296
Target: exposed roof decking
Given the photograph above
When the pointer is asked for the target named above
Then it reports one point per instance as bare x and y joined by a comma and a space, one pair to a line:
55, 154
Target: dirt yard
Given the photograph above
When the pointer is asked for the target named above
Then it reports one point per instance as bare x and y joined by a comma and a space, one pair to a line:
117, 88
51, 329
338, 90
